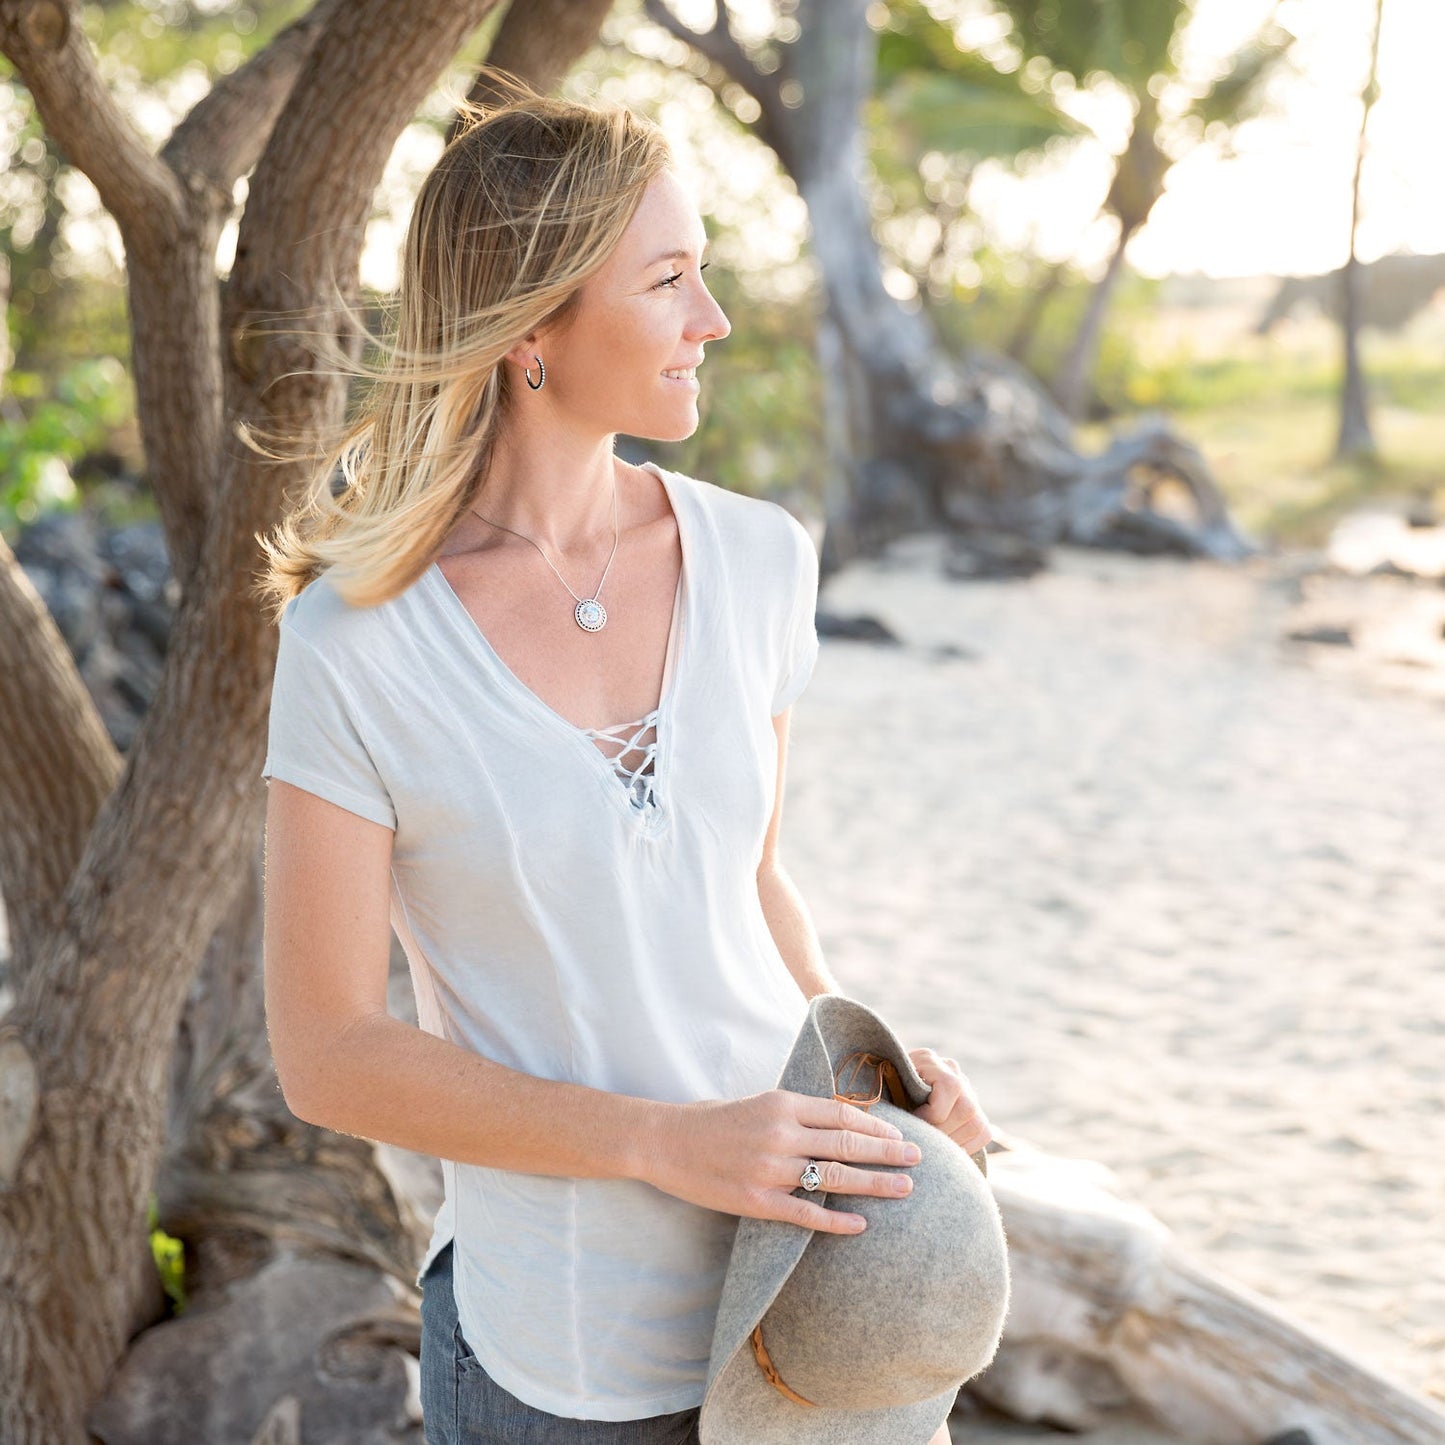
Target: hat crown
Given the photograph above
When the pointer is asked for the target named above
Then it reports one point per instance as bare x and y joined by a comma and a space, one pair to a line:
909, 1307
860, 1337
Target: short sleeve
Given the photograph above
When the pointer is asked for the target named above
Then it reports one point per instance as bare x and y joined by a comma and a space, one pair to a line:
800, 639
314, 740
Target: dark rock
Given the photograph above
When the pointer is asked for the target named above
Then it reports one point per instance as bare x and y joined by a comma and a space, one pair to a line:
113, 597
952, 652
1390, 568
989, 556
1335, 636
314, 1339
857, 628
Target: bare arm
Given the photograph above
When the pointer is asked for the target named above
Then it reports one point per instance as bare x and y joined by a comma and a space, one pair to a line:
345, 1064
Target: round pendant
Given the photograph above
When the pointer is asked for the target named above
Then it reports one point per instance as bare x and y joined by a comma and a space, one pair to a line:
591, 614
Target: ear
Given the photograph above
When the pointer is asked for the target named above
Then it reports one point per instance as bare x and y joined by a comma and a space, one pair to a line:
524, 353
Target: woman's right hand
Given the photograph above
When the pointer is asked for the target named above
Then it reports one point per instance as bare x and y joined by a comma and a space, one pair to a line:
745, 1156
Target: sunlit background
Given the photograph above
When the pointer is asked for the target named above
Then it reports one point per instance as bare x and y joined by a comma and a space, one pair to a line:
1177, 860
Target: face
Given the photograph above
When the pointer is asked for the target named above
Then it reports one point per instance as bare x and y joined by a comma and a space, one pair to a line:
644, 313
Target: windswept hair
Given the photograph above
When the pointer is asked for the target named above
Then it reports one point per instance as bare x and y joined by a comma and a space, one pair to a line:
528, 200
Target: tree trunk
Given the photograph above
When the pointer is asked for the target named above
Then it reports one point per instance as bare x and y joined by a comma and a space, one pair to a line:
1074, 376
926, 439
118, 875
1356, 439
1021, 340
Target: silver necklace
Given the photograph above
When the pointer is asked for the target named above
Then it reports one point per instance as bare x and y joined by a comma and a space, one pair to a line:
591, 615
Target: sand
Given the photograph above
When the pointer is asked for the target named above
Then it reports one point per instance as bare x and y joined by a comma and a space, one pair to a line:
1169, 887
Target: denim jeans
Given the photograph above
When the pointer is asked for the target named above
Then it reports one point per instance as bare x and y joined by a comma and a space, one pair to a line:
462, 1405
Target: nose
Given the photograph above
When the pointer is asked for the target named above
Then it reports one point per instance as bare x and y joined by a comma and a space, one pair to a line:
713, 324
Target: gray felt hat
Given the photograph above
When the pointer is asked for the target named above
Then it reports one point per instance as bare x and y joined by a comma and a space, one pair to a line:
860, 1339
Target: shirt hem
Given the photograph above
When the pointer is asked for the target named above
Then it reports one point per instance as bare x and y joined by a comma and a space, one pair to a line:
588, 1408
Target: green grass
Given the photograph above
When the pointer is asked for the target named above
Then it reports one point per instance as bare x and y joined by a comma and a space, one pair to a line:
1273, 462
1265, 412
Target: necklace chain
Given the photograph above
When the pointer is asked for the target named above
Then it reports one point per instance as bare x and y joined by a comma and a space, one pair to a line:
591, 616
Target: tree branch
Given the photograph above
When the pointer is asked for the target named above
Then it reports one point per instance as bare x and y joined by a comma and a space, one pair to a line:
226, 131
719, 47
538, 41
44, 42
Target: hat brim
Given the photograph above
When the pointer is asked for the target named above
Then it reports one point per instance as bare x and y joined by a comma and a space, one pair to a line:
741, 1404
747, 1408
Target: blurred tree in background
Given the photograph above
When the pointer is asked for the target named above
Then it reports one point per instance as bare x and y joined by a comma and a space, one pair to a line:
1135, 45
951, 97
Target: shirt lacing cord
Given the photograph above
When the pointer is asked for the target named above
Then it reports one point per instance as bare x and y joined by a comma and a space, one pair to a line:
638, 779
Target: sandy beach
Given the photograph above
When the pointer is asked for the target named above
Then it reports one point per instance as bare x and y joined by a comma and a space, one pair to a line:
1168, 886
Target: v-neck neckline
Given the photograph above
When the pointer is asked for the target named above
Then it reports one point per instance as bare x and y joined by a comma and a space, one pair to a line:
679, 649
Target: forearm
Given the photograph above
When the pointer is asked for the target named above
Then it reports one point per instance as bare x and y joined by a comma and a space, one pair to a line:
791, 925
399, 1085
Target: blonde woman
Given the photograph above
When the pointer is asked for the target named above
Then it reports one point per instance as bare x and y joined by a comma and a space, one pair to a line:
530, 710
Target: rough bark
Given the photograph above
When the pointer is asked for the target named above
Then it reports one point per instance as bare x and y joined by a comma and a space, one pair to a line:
539, 41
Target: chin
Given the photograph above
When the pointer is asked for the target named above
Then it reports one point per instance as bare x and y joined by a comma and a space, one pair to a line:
664, 431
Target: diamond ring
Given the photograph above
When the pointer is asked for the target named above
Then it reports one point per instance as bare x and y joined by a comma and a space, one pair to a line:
811, 1178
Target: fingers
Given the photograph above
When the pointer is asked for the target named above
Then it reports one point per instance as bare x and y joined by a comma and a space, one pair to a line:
821, 1113
816, 1216
840, 1178
843, 1140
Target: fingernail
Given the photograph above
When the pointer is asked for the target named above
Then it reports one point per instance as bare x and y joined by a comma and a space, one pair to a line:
912, 1154
857, 1223
894, 1131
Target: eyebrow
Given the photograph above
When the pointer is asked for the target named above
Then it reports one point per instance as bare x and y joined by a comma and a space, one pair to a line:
673, 256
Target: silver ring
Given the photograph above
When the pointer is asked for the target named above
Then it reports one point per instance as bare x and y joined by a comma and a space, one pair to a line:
811, 1178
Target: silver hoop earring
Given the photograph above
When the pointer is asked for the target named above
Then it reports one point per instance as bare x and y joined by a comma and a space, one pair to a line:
541, 374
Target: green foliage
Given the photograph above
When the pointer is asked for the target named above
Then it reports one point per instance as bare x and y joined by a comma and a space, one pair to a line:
169, 1254
1130, 40
930, 95
1240, 90
156, 40
47, 426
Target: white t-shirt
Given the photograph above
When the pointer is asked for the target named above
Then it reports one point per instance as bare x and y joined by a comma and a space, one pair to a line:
553, 925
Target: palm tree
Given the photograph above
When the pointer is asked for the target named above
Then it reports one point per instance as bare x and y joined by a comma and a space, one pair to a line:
1135, 44
1356, 438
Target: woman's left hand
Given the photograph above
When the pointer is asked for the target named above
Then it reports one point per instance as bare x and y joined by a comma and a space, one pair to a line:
952, 1106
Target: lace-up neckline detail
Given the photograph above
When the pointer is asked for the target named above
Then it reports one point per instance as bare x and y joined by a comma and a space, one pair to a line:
638, 776
640, 757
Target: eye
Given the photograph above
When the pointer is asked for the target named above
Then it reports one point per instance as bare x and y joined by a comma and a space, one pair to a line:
670, 281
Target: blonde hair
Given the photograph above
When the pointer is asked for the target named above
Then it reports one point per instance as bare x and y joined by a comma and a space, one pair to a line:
527, 202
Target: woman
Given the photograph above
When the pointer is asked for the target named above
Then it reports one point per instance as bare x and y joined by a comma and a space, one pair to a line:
609, 963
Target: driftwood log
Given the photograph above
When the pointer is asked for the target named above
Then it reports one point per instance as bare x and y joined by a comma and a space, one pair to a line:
1104, 1298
